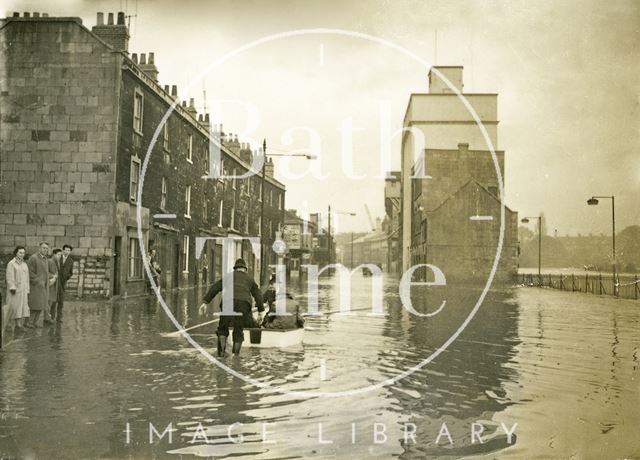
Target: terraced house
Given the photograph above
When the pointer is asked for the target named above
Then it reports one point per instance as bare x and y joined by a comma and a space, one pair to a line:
78, 116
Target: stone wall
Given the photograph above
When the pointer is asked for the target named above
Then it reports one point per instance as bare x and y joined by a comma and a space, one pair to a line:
58, 99
463, 248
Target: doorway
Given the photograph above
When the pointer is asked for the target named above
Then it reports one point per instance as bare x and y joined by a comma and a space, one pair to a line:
117, 244
176, 265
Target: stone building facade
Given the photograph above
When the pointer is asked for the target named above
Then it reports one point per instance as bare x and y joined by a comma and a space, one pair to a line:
78, 114
450, 214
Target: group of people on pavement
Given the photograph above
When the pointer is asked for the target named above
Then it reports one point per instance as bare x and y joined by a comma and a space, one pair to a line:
245, 289
36, 285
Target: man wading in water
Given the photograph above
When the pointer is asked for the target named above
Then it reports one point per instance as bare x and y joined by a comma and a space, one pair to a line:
244, 287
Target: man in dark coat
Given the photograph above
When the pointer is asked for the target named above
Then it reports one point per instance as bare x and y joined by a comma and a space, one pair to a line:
39, 282
65, 271
244, 288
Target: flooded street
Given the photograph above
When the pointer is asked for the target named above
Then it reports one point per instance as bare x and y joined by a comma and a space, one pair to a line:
562, 366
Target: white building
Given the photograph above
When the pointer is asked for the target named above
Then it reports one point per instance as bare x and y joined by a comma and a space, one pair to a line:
444, 122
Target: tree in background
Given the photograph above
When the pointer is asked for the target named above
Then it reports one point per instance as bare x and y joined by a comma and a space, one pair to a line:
580, 251
628, 249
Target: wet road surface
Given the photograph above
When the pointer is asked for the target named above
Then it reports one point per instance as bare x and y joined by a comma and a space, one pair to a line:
563, 366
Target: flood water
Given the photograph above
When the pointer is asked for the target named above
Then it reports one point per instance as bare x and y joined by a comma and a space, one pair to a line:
563, 366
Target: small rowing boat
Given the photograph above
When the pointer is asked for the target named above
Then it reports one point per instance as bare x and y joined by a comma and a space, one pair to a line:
272, 338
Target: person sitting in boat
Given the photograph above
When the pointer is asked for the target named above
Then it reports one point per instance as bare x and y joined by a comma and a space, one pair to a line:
269, 297
292, 320
244, 288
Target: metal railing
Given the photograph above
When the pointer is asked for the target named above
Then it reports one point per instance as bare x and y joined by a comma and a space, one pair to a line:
627, 286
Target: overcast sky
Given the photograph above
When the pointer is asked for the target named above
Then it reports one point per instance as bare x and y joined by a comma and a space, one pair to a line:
567, 74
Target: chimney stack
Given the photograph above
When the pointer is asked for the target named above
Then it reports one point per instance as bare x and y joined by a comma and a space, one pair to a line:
149, 66
269, 168
115, 35
245, 152
463, 147
192, 108
205, 121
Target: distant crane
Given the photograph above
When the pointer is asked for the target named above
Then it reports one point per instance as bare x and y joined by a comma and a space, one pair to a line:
373, 227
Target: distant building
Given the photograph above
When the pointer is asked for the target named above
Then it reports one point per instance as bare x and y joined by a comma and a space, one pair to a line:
371, 248
452, 219
78, 115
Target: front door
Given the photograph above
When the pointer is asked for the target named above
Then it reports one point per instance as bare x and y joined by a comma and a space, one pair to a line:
176, 265
117, 244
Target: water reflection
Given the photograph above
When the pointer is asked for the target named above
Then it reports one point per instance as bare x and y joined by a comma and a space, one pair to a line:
109, 374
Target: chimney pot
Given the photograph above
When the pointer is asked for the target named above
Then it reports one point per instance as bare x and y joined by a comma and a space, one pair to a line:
115, 36
36, 15
120, 18
16, 14
45, 15
166, 88
206, 117
200, 118
134, 57
191, 103
174, 90
143, 59
151, 58
184, 104
27, 14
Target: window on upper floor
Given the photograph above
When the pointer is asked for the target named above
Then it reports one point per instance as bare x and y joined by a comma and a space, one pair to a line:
187, 202
163, 194
205, 210
134, 179
165, 136
138, 110
190, 149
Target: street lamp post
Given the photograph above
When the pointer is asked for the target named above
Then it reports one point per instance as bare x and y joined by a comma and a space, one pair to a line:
525, 220
346, 213
593, 201
263, 199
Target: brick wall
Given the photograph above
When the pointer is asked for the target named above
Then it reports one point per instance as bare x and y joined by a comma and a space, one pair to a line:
171, 163
464, 249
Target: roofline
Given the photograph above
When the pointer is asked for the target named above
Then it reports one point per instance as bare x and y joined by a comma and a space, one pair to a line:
160, 92
463, 186
452, 94
150, 83
10, 19
468, 150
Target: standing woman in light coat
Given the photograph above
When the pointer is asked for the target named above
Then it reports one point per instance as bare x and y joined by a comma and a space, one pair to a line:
18, 288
